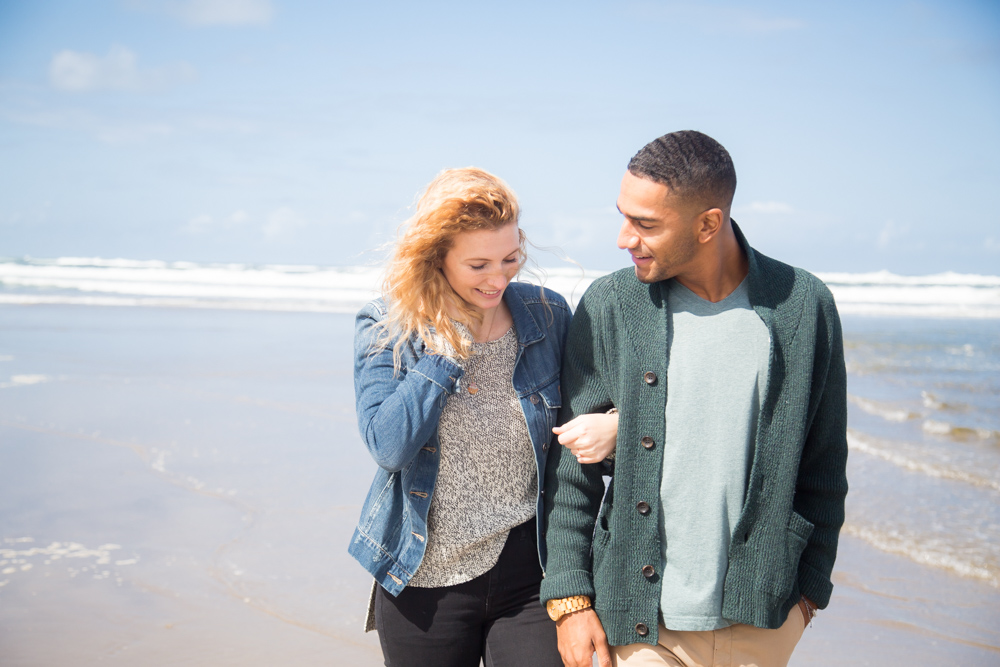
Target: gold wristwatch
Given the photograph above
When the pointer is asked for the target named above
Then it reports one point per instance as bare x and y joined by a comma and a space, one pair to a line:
559, 608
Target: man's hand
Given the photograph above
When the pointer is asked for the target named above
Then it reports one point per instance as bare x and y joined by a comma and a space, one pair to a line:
580, 635
589, 437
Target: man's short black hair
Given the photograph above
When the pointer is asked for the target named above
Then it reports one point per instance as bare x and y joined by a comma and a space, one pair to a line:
693, 165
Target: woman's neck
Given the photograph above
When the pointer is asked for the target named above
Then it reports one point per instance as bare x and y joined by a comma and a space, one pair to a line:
493, 325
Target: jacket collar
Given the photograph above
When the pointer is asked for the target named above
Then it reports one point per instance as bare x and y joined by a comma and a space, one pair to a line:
528, 331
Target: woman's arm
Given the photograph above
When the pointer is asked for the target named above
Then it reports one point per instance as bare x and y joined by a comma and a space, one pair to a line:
397, 411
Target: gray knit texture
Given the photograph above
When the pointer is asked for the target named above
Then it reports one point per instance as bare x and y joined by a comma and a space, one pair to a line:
487, 482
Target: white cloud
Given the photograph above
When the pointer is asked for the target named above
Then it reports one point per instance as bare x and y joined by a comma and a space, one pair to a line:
77, 71
199, 224
129, 133
892, 232
118, 128
768, 207
205, 222
210, 12
281, 221
227, 12
108, 130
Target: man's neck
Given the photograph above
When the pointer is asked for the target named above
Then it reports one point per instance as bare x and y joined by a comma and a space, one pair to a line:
720, 270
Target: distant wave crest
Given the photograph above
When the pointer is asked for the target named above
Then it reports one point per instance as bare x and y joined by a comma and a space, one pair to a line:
158, 283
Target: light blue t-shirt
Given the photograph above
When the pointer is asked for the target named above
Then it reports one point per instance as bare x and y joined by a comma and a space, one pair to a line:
716, 377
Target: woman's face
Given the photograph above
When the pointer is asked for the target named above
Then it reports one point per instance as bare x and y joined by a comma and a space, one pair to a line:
481, 263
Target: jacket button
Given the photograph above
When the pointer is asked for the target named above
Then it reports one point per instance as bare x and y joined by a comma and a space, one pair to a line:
641, 629
545, 447
649, 377
643, 507
647, 442
648, 571
534, 399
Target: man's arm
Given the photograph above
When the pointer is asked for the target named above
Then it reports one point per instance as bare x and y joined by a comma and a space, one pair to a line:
821, 486
574, 493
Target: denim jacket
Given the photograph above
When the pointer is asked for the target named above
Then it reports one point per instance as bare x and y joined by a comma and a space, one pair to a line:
398, 416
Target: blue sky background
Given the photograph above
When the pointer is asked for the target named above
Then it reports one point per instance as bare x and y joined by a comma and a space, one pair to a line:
865, 134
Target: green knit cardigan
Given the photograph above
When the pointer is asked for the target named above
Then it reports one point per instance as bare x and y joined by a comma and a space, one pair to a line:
785, 541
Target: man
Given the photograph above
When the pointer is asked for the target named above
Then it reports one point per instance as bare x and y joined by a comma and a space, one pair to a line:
715, 541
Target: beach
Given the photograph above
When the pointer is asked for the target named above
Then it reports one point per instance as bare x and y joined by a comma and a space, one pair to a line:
179, 485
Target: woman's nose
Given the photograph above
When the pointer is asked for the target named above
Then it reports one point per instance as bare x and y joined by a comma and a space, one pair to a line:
497, 280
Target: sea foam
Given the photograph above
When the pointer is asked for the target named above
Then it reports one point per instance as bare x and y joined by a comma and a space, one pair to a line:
925, 460
926, 550
94, 281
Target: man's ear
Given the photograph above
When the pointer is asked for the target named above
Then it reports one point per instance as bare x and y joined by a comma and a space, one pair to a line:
709, 224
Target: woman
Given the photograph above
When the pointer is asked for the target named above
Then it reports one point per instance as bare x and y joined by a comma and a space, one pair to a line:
456, 380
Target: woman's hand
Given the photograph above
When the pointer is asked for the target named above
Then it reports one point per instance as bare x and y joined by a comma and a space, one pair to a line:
591, 438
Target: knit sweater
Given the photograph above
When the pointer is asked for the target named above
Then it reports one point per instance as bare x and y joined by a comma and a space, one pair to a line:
785, 541
487, 481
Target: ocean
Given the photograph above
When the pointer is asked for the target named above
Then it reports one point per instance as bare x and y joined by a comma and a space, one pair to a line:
90, 281
178, 448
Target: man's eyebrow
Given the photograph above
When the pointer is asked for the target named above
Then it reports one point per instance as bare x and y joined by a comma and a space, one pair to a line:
635, 217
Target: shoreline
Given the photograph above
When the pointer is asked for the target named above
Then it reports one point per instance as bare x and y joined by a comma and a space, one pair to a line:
888, 609
217, 452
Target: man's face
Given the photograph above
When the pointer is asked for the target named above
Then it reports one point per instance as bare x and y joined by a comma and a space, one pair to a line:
659, 232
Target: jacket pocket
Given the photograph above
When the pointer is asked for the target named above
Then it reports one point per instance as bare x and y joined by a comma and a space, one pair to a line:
382, 514
551, 395
551, 401
379, 494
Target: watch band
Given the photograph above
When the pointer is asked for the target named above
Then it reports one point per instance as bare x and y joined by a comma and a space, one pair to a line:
561, 606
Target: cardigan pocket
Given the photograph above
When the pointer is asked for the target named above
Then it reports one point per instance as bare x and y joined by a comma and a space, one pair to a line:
601, 544
781, 575
800, 530
602, 541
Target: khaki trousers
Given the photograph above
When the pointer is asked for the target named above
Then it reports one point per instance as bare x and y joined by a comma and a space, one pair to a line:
738, 645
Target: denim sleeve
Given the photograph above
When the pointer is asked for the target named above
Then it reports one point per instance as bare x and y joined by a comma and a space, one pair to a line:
397, 410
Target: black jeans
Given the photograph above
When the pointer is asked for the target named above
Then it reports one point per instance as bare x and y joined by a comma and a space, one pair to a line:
496, 617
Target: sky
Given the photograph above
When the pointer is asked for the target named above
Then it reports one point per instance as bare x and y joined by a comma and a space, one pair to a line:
865, 135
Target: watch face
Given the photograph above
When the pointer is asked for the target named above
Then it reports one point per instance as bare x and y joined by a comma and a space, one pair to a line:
550, 607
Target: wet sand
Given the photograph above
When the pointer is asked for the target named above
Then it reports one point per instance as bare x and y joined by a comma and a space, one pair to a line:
179, 486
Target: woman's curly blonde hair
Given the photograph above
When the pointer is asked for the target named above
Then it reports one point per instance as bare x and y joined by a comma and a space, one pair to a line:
416, 291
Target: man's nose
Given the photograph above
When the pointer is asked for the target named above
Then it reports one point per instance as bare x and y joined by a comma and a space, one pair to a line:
627, 238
